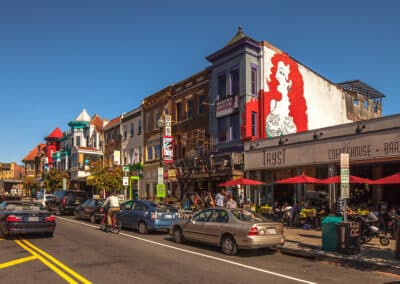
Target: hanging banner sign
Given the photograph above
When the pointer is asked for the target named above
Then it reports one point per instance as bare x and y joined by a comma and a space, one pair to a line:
168, 149
168, 125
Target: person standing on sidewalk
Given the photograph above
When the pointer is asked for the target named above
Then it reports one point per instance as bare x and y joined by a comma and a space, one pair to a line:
220, 198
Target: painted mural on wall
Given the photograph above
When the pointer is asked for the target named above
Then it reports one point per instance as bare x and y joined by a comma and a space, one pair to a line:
281, 106
284, 106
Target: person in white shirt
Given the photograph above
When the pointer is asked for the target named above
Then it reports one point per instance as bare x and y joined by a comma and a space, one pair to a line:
220, 198
112, 203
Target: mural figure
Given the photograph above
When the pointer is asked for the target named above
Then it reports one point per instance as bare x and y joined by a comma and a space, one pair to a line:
284, 105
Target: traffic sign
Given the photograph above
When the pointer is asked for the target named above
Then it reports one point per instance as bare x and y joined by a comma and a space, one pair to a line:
125, 169
161, 192
125, 180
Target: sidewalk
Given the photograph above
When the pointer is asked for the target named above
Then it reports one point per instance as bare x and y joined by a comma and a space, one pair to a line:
373, 256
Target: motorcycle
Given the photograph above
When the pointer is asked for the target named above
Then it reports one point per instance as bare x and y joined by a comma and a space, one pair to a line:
369, 230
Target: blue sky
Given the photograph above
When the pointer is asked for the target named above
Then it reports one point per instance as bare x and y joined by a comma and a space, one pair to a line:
58, 57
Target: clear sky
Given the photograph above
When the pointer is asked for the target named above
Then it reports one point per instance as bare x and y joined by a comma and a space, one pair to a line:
58, 57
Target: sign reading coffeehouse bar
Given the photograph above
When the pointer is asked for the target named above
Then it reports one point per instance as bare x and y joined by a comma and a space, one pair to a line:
373, 146
226, 106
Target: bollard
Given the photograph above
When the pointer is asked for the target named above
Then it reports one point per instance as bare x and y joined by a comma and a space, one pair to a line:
397, 245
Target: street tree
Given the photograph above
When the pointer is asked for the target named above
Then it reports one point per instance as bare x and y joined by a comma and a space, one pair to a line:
105, 178
53, 179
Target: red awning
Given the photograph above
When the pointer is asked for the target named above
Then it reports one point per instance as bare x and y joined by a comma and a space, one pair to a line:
241, 181
393, 179
352, 179
298, 179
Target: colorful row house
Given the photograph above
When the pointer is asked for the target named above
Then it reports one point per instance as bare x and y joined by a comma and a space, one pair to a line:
191, 135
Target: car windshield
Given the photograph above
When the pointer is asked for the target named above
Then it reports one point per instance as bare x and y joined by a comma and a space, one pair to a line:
25, 207
247, 216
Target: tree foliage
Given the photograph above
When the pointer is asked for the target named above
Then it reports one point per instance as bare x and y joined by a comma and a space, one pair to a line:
105, 177
53, 180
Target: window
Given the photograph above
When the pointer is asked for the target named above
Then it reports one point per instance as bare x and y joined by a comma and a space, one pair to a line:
139, 132
157, 151
131, 155
221, 81
140, 153
253, 123
219, 216
234, 74
366, 104
156, 117
201, 104
148, 122
125, 132
202, 216
189, 106
178, 111
221, 129
132, 131
149, 153
78, 141
235, 127
253, 81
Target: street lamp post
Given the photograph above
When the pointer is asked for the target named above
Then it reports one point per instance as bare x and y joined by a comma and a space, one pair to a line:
161, 125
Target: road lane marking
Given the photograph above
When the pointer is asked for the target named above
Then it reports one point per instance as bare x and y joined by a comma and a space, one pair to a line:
58, 263
17, 261
200, 254
50, 265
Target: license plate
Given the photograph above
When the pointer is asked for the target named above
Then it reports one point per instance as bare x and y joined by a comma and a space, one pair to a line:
33, 219
271, 231
167, 216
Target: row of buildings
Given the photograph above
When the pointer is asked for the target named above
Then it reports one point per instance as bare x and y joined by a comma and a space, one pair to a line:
254, 111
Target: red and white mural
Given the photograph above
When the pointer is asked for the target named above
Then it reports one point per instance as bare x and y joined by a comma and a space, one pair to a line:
291, 99
284, 108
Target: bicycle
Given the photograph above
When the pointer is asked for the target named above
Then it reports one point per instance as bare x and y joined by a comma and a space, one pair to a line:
116, 223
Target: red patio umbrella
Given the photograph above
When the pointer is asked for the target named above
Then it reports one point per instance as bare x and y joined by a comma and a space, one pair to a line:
393, 179
298, 179
352, 179
241, 181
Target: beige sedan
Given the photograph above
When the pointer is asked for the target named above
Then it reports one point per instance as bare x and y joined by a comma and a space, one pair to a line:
232, 229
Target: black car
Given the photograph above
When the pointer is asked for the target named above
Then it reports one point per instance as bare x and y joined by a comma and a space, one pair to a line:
65, 201
90, 210
17, 217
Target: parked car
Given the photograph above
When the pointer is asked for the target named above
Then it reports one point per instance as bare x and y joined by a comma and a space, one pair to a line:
90, 210
231, 229
65, 201
147, 216
17, 217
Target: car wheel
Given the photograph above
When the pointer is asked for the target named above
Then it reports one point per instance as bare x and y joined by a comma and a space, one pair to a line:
143, 228
76, 215
229, 246
92, 219
178, 236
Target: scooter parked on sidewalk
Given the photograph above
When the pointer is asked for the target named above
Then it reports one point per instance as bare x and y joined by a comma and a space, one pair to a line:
369, 229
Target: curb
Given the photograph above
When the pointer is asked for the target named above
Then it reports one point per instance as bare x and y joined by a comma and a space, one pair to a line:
344, 260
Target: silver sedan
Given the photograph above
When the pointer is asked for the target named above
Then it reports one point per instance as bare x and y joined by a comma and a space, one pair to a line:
231, 229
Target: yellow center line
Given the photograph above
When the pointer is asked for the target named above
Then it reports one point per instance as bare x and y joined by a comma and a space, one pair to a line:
55, 261
50, 265
17, 261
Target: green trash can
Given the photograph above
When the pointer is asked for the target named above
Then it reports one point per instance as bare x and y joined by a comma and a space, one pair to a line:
329, 232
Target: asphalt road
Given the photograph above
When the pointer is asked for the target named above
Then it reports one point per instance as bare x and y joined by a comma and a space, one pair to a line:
80, 253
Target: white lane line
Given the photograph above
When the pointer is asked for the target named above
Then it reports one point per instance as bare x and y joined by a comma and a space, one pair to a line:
200, 254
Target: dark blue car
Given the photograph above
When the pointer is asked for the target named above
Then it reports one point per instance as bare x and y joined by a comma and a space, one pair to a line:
146, 216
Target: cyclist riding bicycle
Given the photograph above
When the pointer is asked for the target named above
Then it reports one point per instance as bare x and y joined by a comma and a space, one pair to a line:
112, 203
